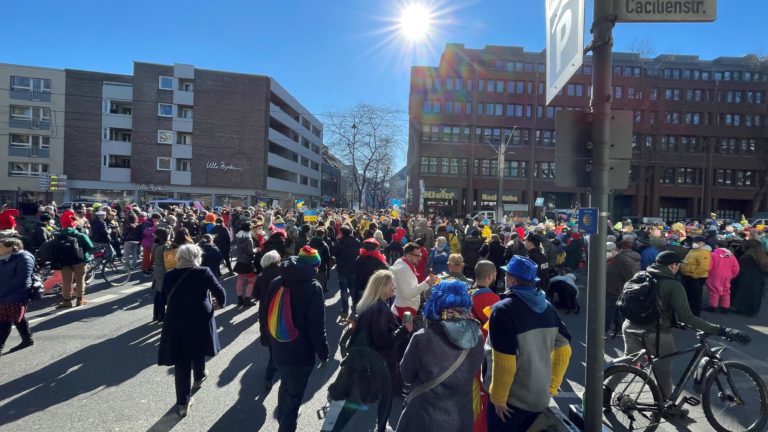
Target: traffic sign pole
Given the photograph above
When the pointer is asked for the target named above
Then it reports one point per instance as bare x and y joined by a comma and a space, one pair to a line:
602, 43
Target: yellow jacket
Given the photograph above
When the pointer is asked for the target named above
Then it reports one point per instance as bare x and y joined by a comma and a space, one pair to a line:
697, 263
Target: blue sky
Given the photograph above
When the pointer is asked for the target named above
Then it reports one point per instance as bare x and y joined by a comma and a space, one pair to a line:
329, 54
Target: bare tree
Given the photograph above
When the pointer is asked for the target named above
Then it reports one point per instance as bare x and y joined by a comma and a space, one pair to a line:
364, 137
642, 47
378, 183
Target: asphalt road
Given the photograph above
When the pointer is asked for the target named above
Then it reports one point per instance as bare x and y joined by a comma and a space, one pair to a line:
93, 368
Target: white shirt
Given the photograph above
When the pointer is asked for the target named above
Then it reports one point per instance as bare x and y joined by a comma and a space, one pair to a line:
407, 287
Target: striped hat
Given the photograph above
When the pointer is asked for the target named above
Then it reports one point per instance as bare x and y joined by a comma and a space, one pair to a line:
309, 256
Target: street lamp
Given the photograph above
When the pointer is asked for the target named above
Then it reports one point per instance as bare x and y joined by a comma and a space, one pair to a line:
500, 153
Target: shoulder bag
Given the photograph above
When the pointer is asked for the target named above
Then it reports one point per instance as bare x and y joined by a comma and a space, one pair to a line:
435, 382
176, 285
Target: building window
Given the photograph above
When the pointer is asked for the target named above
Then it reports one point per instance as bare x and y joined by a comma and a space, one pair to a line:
687, 176
314, 165
654, 93
638, 116
34, 114
166, 83
164, 137
617, 92
544, 170
163, 164
26, 169
313, 182
118, 161
428, 165
184, 138
165, 110
30, 141
185, 112
669, 144
671, 117
31, 84
183, 164
667, 176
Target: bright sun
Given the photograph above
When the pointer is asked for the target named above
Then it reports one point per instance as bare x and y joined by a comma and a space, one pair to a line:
415, 21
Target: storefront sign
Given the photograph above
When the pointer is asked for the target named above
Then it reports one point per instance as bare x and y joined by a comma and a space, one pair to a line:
224, 166
512, 198
151, 188
441, 194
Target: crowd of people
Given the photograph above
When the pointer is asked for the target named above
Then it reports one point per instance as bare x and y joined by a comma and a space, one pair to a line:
422, 295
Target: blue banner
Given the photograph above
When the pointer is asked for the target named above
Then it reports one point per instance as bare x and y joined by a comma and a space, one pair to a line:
588, 220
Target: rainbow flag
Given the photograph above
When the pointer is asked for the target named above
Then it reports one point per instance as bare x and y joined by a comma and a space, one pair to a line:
279, 319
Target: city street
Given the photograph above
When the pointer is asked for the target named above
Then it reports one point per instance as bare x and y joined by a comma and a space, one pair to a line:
93, 368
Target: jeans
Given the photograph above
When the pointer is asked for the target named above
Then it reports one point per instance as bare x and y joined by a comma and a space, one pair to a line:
293, 383
182, 371
635, 341
693, 289
344, 284
520, 420
132, 251
116, 246
269, 372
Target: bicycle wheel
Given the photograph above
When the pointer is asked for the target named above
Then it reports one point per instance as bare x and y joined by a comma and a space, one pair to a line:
735, 401
631, 400
90, 272
115, 274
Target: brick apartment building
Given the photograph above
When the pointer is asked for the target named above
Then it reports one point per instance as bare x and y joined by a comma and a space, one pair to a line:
172, 131
699, 139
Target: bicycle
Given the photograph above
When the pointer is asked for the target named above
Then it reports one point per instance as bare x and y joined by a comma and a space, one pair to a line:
113, 272
629, 392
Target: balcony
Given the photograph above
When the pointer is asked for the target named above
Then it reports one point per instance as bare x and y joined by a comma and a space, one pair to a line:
116, 174
30, 124
116, 148
278, 161
182, 124
287, 186
32, 152
181, 97
180, 151
31, 95
118, 91
181, 178
116, 121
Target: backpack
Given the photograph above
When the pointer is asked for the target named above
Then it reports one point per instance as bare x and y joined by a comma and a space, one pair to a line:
638, 301
169, 258
279, 317
45, 251
67, 250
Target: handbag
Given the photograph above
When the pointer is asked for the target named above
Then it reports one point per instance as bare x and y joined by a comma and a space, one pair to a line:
427, 386
173, 289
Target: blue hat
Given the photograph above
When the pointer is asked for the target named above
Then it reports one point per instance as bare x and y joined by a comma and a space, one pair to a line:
522, 268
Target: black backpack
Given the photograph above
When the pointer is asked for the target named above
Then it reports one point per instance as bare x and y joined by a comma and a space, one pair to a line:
638, 301
67, 250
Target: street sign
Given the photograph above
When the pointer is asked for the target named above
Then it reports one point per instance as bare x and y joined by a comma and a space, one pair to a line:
665, 10
565, 42
588, 220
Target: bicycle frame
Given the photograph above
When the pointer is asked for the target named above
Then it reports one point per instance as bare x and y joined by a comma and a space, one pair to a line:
705, 357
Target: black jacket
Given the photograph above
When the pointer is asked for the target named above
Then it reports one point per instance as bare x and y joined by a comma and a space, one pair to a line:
346, 251
99, 233
542, 262
322, 248
221, 239
494, 252
364, 267
277, 243
307, 313
211, 258
514, 247
40, 235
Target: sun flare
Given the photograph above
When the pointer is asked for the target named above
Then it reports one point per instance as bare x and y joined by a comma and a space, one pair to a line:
415, 21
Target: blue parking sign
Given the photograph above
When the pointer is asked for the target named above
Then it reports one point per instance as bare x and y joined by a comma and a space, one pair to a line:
588, 220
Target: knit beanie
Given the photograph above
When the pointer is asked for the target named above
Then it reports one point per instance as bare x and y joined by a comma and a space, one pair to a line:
309, 256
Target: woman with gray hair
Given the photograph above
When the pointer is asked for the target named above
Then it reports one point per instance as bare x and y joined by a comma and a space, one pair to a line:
189, 330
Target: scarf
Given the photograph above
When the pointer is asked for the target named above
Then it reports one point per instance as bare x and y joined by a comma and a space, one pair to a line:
457, 313
374, 253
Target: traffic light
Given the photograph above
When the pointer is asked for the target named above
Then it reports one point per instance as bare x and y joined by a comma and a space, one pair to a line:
573, 154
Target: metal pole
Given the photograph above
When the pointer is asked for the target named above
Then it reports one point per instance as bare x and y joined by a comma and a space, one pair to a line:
500, 169
602, 42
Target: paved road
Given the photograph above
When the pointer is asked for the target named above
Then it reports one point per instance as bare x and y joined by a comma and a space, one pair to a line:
93, 368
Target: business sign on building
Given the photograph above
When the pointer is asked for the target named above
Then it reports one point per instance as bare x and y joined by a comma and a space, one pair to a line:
565, 42
53, 183
665, 10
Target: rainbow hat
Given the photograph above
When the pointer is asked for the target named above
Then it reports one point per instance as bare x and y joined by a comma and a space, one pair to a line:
309, 256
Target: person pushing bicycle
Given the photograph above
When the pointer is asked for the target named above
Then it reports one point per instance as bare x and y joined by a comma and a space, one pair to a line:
673, 307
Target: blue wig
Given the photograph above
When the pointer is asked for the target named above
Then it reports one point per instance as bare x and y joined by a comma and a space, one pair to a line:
450, 294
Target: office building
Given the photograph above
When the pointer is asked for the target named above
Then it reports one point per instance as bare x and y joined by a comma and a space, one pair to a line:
698, 140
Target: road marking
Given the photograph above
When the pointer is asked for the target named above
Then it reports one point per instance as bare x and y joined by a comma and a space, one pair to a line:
103, 298
133, 290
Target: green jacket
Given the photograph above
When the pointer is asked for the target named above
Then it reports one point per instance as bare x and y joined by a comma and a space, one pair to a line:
84, 240
673, 305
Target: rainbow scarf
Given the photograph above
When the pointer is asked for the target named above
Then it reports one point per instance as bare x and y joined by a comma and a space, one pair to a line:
279, 319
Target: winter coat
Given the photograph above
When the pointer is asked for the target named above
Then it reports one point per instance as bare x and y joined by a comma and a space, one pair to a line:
514, 247
494, 252
99, 233
322, 248
619, 270
40, 235
447, 407
16, 276
307, 313
261, 290
748, 287
648, 257
276, 243
244, 247
724, 268
346, 251
148, 234
697, 263
221, 239
407, 287
425, 232
573, 254
212, 258
189, 328
438, 259
158, 265
364, 268
470, 250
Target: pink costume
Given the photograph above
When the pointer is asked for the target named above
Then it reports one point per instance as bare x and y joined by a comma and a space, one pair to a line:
724, 267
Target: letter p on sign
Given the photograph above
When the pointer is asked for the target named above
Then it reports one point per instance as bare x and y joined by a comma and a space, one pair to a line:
565, 42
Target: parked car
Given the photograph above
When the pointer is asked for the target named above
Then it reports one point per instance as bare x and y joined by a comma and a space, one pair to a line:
67, 205
168, 203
